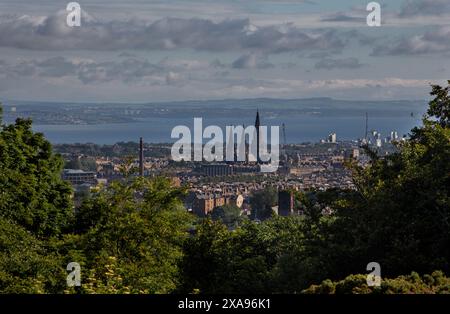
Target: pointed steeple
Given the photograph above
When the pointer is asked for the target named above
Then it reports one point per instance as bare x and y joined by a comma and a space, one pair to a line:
257, 125
257, 122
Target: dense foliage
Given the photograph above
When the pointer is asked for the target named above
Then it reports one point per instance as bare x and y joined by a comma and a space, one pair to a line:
141, 225
229, 215
32, 192
436, 283
127, 237
262, 202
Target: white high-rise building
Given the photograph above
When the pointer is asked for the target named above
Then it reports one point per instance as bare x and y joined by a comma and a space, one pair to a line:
378, 140
394, 136
332, 138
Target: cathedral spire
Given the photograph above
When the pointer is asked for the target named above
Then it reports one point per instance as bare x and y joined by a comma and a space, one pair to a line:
257, 125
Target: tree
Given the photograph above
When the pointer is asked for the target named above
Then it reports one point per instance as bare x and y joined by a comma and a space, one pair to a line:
27, 264
247, 260
262, 202
204, 259
35, 209
440, 105
113, 284
142, 225
400, 214
33, 194
74, 163
230, 215
136, 226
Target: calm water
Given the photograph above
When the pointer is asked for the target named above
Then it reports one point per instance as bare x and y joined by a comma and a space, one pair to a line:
298, 129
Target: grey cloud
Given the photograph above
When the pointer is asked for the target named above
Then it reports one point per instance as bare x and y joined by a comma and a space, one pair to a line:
129, 70
319, 55
20, 69
343, 17
86, 71
424, 7
356, 14
216, 63
173, 78
330, 64
221, 74
127, 55
363, 38
289, 38
288, 65
436, 40
251, 61
52, 33
56, 67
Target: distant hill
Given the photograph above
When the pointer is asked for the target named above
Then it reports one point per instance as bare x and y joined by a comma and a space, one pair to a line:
100, 113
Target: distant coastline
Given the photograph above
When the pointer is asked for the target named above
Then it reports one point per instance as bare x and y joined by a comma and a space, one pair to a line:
306, 120
65, 113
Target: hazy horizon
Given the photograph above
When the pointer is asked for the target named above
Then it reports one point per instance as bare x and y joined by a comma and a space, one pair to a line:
19, 102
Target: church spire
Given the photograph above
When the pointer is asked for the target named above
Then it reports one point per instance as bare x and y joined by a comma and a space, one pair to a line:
257, 125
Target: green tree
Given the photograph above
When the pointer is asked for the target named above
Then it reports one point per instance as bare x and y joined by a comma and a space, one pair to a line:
27, 264
141, 224
399, 216
440, 105
203, 258
262, 202
230, 215
111, 282
32, 192
247, 260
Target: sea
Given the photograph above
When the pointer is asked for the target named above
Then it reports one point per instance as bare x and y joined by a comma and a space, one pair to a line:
298, 129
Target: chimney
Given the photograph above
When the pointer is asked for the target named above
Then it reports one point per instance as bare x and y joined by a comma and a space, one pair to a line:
141, 157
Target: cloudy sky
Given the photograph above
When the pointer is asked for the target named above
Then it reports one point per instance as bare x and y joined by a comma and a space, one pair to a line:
144, 50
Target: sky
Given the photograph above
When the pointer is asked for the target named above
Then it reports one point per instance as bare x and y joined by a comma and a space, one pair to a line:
170, 50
